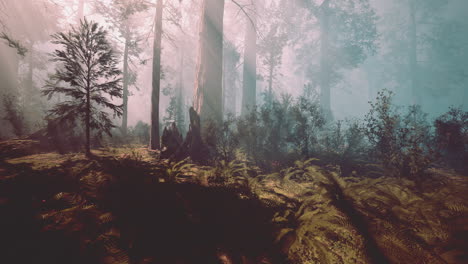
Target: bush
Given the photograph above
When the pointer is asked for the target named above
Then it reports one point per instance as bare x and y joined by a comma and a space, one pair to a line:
65, 136
248, 129
308, 120
281, 131
344, 145
227, 140
141, 133
415, 142
14, 114
451, 136
402, 144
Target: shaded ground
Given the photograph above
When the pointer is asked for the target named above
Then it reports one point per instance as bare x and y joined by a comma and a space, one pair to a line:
127, 206
116, 209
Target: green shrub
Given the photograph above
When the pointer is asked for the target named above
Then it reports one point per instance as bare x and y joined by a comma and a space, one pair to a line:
451, 136
280, 132
308, 120
344, 145
400, 142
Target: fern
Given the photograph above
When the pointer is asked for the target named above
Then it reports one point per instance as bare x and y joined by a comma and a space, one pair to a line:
177, 170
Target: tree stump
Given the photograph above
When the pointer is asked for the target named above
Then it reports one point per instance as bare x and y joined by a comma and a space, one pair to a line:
172, 142
193, 143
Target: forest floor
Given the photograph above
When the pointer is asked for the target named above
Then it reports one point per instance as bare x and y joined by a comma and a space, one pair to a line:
125, 205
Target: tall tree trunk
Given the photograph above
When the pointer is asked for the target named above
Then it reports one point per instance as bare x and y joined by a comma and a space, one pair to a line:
9, 68
230, 60
249, 82
225, 81
413, 56
270, 80
154, 140
29, 80
88, 119
125, 83
30, 111
180, 95
208, 94
325, 97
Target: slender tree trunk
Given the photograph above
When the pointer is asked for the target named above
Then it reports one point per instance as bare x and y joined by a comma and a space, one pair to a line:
225, 81
249, 82
125, 83
325, 97
31, 113
154, 140
88, 120
208, 94
413, 56
270, 81
180, 95
29, 79
88, 105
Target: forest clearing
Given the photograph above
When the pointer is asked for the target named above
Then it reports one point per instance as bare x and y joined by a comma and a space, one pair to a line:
125, 204
234, 132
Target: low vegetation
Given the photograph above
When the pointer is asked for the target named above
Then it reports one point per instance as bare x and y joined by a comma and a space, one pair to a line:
281, 185
126, 206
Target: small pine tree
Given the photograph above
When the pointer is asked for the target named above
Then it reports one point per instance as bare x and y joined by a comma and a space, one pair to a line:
88, 75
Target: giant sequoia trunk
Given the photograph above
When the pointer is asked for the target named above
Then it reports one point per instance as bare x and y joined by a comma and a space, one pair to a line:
208, 94
325, 97
125, 83
230, 59
154, 140
8, 81
249, 83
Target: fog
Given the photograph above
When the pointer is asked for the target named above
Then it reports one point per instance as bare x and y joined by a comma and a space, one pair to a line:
234, 131
416, 48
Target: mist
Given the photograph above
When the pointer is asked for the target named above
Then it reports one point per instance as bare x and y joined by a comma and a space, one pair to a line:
234, 131
380, 63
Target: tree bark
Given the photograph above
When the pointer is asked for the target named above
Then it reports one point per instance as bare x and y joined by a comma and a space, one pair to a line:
208, 94
88, 105
270, 80
180, 95
230, 74
125, 83
325, 97
156, 85
29, 80
9, 80
249, 83
88, 118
